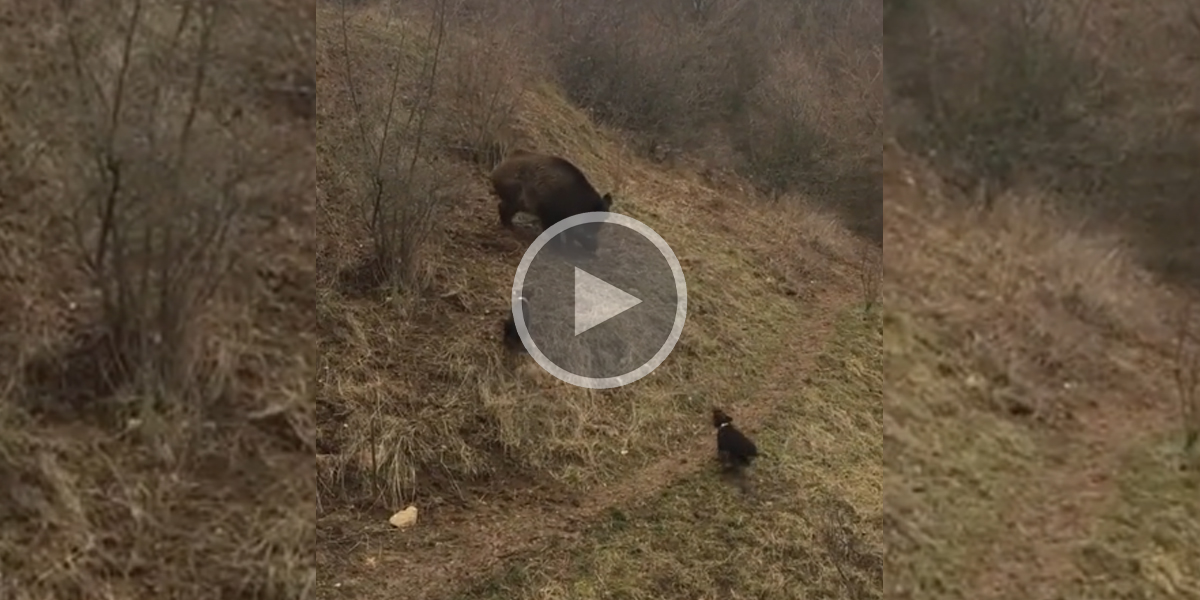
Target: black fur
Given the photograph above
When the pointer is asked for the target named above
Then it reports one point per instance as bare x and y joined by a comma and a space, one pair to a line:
512, 338
734, 449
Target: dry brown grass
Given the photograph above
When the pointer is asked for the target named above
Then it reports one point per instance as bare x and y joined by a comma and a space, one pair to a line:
156, 423
416, 403
1031, 428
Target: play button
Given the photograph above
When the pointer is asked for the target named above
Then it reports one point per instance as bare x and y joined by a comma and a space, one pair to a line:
604, 320
597, 302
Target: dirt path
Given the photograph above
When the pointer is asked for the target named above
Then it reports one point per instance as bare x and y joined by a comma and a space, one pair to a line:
1037, 561
456, 548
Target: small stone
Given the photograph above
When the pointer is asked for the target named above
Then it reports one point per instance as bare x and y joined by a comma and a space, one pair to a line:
405, 518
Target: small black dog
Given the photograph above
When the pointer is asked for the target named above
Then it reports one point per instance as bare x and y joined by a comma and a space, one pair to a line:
734, 449
512, 338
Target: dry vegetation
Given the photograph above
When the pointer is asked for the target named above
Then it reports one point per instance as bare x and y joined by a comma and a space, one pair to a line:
1040, 416
416, 103
1098, 102
156, 413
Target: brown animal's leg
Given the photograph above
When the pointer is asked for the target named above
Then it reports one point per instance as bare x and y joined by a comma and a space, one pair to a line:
510, 202
507, 212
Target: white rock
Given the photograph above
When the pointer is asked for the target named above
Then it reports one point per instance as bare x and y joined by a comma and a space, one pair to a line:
405, 518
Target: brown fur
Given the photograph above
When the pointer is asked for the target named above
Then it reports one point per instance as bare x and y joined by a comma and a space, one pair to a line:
550, 187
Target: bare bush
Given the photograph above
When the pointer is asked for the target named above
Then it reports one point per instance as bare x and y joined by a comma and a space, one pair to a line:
795, 90
153, 219
154, 268
779, 143
1004, 85
399, 198
1074, 97
655, 70
813, 123
452, 91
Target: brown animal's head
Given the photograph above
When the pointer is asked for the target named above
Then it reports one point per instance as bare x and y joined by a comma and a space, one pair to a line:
720, 418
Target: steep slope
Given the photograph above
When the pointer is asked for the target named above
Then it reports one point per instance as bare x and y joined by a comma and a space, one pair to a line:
1032, 432
505, 465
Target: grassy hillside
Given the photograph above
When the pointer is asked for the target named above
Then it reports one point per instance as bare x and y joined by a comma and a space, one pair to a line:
156, 315
510, 468
1042, 266
1033, 431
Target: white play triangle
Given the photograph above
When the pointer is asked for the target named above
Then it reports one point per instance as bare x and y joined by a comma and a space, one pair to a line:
597, 301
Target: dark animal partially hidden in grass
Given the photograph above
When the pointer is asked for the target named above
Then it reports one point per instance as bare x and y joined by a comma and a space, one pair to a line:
512, 338
551, 188
734, 449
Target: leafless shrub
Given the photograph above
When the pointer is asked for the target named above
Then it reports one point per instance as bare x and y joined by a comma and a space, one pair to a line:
1096, 102
779, 143
788, 94
652, 69
151, 160
1004, 86
812, 123
1187, 376
152, 219
401, 191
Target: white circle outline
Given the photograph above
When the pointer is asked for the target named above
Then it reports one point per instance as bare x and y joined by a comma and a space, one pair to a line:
600, 383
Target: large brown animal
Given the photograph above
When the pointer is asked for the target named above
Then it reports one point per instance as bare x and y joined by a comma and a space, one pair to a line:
551, 188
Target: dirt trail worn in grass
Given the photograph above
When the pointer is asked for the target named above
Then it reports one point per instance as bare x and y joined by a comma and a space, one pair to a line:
806, 526
451, 550
1064, 507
